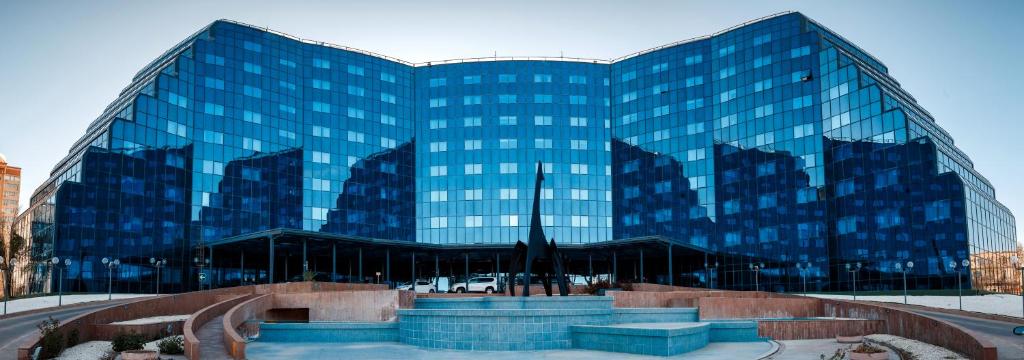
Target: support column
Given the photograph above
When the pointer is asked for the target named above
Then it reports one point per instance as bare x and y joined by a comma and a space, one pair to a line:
615, 266
270, 273
641, 265
413, 283
387, 268
242, 282
467, 271
437, 273
497, 271
334, 261
671, 275
212, 270
361, 279
305, 261
590, 265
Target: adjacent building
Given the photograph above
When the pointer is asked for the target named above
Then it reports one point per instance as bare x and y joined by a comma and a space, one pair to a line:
10, 189
765, 156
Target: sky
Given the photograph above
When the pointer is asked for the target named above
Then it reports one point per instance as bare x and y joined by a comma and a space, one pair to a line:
62, 62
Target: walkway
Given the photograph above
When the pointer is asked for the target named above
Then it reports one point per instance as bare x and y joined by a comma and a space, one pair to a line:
396, 351
812, 349
211, 343
16, 329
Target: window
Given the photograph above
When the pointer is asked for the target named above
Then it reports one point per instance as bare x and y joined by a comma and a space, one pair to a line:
627, 76
507, 78
286, 62
542, 99
800, 51
474, 194
694, 81
321, 84
659, 89
472, 121
630, 96
213, 109
474, 221
542, 78
252, 68
320, 131
252, 117
286, 85
178, 100
727, 72
763, 85
542, 143
580, 221
213, 137
507, 99
696, 103
577, 79
577, 99
438, 222
387, 77
761, 39
762, 61
845, 187
766, 201
321, 63
252, 91
214, 83
355, 136
663, 110
321, 107
473, 169
214, 59
507, 143
472, 100
436, 82
473, 144
438, 196
846, 225
730, 207
321, 157
251, 46
509, 168
579, 194
765, 169
439, 170
213, 167
177, 129
657, 68
577, 121
252, 144
508, 194
578, 144
726, 50
439, 146
438, 124
579, 169
471, 79
438, 102
388, 98
510, 220
888, 218
762, 111
387, 119
801, 102
727, 95
693, 60
543, 120
887, 178
937, 210
355, 70
356, 91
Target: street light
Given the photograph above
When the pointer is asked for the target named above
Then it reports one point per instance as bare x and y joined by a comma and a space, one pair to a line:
803, 274
854, 270
378, 278
110, 272
60, 278
757, 270
712, 274
8, 269
202, 276
900, 268
1017, 263
959, 289
158, 264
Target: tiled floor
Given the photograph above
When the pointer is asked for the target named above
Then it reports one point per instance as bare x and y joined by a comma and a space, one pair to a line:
397, 351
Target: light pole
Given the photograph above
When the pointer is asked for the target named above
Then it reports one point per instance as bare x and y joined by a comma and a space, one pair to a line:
158, 264
757, 270
854, 270
1017, 263
959, 288
803, 274
60, 278
8, 270
200, 261
110, 273
900, 268
714, 274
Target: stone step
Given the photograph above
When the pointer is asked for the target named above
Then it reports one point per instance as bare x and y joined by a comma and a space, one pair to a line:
652, 338
334, 332
645, 315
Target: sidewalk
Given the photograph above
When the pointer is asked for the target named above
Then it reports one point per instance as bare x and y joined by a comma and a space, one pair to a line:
35, 303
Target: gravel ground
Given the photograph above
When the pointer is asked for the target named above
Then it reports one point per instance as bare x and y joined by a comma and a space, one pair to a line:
919, 350
153, 320
94, 350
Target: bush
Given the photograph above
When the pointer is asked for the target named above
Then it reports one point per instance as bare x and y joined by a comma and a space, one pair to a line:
131, 341
595, 287
172, 345
51, 340
73, 338
866, 348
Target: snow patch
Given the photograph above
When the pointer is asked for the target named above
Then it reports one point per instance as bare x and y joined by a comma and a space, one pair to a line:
152, 320
997, 304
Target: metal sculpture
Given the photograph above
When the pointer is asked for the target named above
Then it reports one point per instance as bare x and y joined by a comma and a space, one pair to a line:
545, 254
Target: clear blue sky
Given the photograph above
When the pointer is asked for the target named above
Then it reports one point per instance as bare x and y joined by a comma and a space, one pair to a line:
62, 62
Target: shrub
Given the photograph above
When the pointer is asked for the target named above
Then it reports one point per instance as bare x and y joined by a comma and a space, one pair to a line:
866, 348
51, 340
131, 341
595, 287
73, 338
172, 345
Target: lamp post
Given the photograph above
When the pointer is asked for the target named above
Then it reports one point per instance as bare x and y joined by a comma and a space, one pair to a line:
854, 270
110, 264
1018, 263
959, 288
378, 279
60, 278
714, 274
757, 271
900, 268
158, 264
803, 274
199, 262
7, 269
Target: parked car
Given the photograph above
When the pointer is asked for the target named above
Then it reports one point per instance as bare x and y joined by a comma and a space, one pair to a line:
422, 286
484, 284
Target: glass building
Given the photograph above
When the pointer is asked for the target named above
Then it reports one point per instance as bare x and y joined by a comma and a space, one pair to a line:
776, 144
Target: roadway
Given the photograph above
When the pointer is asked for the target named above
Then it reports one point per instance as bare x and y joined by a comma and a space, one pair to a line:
1000, 333
15, 329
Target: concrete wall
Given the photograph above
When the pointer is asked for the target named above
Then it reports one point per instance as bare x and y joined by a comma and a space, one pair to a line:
756, 308
343, 305
818, 328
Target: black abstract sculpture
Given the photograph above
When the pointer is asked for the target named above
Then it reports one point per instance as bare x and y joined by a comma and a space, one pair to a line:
548, 261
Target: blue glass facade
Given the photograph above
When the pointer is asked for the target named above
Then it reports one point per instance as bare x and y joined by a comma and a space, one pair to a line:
777, 142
